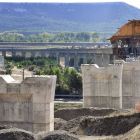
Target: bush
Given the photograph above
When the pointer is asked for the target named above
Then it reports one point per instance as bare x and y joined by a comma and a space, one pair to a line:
9, 71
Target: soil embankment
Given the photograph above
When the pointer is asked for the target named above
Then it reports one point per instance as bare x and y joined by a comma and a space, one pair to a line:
71, 113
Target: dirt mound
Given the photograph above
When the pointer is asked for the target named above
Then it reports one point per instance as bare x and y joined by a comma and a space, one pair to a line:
58, 123
57, 135
72, 125
71, 113
108, 125
15, 134
5, 127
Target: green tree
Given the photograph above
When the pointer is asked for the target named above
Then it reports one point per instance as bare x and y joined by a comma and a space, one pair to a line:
66, 75
51, 71
103, 39
95, 35
59, 75
75, 82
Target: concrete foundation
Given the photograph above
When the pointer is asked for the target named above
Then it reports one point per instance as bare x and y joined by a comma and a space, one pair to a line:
28, 105
102, 87
130, 83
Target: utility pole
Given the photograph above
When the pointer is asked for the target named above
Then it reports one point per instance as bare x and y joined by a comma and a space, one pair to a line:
23, 73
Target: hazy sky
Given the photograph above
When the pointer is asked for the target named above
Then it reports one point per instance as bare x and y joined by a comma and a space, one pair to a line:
135, 3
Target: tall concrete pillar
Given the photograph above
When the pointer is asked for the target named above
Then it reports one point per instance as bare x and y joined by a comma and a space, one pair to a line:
50, 54
113, 58
98, 59
4, 53
30, 104
43, 54
106, 60
13, 54
130, 83
58, 58
102, 87
23, 54
75, 61
66, 60
32, 54
85, 59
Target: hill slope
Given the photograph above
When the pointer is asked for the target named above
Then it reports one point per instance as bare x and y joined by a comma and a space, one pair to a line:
39, 17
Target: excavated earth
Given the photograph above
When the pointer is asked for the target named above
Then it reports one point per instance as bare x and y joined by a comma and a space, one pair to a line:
103, 124
12, 133
71, 113
57, 135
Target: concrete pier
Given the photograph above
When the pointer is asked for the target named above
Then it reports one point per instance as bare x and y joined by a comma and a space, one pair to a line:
13, 54
32, 54
28, 105
66, 60
4, 53
102, 87
130, 83
43, 54
106, 60
76, 61
98, 59
23, 54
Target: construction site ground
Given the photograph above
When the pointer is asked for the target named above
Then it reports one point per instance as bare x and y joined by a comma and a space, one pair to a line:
99, 123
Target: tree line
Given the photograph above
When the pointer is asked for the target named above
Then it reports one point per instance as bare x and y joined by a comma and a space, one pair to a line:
69, 81
47, 37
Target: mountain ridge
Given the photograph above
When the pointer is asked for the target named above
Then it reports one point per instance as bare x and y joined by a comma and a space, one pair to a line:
65, 17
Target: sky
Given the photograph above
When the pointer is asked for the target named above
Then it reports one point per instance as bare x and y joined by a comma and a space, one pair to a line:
135, 3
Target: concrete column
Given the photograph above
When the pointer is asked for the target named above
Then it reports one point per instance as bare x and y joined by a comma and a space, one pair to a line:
66, 60
13, 54
32, 54
113, 58
50, 54
43, 54
102, 87
23, 54
24, 103
106, 60
4, 53
58, 58
85, 59
75, 61
98, 60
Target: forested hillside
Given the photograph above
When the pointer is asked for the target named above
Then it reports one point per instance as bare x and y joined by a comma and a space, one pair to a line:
29, 18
